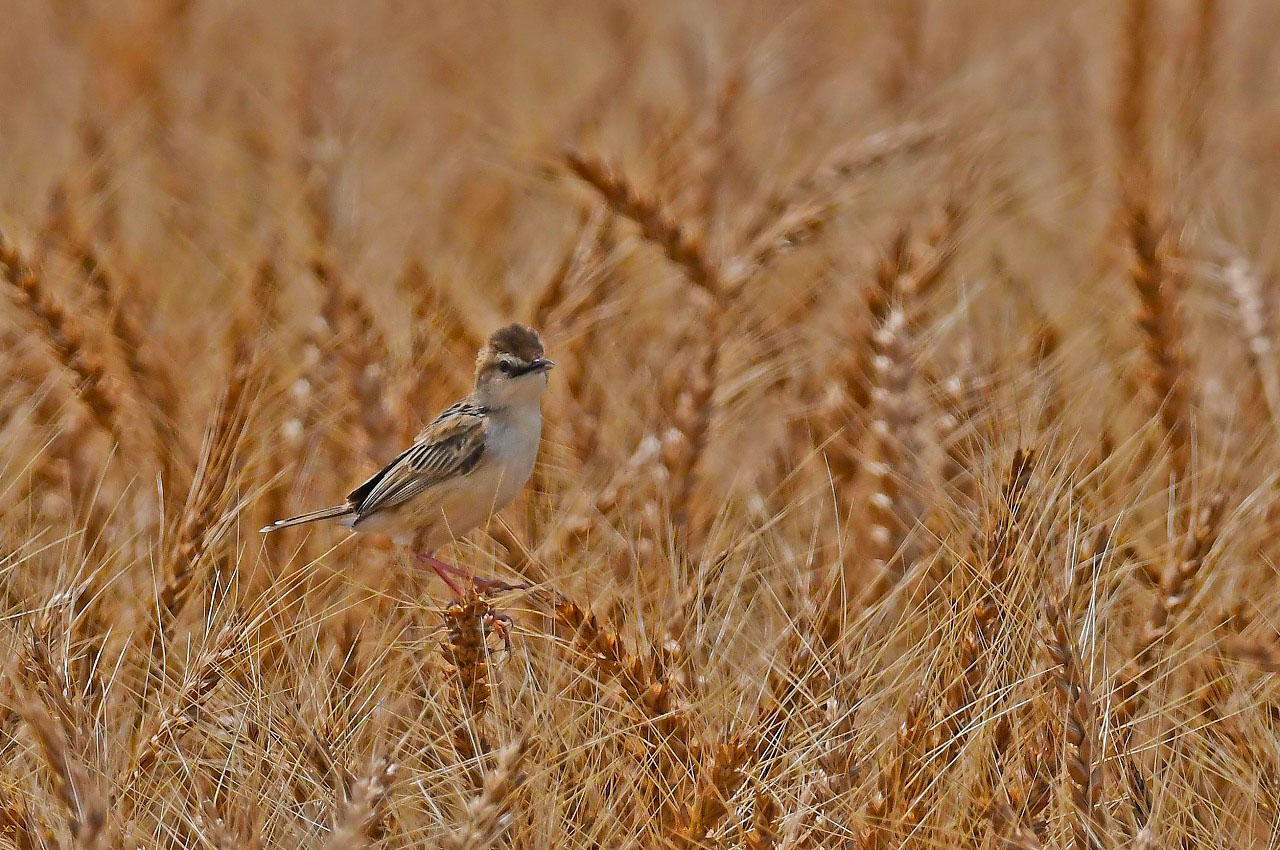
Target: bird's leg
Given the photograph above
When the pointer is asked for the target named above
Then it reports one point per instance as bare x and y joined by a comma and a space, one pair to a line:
499, 622
482, 584
441, 569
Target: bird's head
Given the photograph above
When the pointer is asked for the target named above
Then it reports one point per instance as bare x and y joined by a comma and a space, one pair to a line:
511, 369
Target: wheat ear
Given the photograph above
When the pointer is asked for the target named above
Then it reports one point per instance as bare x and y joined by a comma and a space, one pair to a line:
488, 815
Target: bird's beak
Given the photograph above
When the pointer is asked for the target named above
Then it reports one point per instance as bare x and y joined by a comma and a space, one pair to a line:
542, 364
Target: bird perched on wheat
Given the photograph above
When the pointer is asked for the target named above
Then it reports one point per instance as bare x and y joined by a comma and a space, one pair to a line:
470, 462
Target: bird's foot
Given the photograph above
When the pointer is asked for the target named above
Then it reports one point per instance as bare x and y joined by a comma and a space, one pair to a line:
482, 585
494, 621
490, 585
500, 624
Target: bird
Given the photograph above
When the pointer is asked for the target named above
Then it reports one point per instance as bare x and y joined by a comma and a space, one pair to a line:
467, 464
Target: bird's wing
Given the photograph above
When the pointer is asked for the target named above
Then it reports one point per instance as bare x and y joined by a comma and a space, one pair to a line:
466, 407
448, 448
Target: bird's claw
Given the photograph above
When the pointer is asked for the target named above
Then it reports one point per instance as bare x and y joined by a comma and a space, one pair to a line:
491, 585
500, 624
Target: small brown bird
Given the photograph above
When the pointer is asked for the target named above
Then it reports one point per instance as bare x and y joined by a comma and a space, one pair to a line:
470, 462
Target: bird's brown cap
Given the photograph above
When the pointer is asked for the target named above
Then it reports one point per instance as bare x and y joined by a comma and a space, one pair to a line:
520, 342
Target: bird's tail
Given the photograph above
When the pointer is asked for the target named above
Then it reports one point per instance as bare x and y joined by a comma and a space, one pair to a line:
302, 519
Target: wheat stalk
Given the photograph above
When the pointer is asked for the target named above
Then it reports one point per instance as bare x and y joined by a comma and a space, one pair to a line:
1132, 110
185, 708
648, 691
1248, 291
1159, 288
488, 815
361, 349
813, 193
156, 383
467, 664
197, 526
711, 803
85, 812
894, 774
763, 834
1088, 825
656, 224
94, 387
360, 815
1175, 589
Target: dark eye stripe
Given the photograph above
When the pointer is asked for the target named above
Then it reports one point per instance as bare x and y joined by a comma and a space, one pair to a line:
523, 370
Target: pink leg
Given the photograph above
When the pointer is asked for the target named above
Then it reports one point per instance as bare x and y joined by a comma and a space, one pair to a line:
500, 623
481, 583
441, 569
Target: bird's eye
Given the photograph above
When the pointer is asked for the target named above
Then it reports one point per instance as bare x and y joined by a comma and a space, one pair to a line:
506, 367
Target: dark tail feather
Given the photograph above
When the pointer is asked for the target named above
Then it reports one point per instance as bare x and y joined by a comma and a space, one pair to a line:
302, 519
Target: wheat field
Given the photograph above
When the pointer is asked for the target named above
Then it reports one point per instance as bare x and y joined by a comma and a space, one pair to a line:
909, 476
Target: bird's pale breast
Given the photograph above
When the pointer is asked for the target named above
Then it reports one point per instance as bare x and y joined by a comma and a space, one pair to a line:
451, 509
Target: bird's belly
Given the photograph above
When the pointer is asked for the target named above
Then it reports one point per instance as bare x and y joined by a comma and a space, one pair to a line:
449, 510
450, 514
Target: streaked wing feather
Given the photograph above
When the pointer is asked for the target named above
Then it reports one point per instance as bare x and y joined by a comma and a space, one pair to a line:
357, 496
449, 447
458, 408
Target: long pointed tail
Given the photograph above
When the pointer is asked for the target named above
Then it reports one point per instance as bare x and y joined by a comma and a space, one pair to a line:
302, 519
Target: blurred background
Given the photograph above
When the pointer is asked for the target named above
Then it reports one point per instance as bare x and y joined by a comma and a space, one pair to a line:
820, 276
